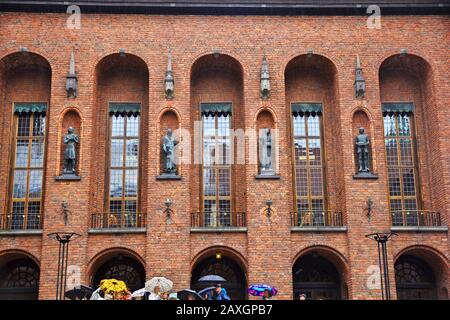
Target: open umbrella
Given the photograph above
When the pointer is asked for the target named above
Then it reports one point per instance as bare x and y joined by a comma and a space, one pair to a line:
211, 278
164, 284
258, 290
96, 295
113, 286
79, 292
139, 294
188, 294
207, 291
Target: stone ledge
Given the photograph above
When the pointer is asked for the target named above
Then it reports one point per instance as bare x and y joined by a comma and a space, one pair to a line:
117, 230
168, 177
219, 230
319, 229
20, 232
420, 229
267, 177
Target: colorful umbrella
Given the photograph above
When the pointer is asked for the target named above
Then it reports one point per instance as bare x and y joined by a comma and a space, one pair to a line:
164, 284
258, 290
113, 286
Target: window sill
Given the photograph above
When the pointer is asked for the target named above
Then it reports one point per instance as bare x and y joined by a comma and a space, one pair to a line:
117, 230
14, 233
219, 230
420, 229
319, 229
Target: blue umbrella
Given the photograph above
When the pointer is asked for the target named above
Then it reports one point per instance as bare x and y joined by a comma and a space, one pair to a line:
211, 278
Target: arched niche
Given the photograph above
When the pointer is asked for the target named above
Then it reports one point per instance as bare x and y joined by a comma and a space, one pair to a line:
265, 120
219, 79
409, 79
24, 77
361, 120
119, 79
168, 120
311, 83
70, 118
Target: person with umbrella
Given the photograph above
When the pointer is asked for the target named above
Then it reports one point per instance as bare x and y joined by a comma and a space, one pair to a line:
221, 293
267, 295
264, 291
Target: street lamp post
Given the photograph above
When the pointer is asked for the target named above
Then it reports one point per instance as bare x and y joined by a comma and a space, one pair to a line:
382, 238
64, 239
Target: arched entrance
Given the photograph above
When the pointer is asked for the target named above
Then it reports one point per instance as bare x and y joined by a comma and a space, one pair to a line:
123, 268
19, 280
225, 267
414, 279
316, 277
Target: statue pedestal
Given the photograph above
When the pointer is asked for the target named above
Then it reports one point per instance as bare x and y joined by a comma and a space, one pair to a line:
168, 176
68, 177
267, 174
365, 175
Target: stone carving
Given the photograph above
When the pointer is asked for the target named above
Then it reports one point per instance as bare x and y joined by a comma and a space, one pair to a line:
168, 81
265, 79
168, 147
70, 156
72, 79
265, 152
362, 150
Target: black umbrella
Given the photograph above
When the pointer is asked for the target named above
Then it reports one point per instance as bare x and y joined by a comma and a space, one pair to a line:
207, 291
78, 293
184, 294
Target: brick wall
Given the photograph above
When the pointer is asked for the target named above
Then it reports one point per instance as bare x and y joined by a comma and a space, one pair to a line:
267, 250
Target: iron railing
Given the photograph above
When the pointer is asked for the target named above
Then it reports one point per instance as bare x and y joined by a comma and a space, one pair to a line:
416, 218
20, 221
222, 219
317, 218
111, 220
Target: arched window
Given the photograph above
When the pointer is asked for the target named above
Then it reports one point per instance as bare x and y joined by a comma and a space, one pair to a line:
19, 279
414, 279
124, 165
28, 166
122, 268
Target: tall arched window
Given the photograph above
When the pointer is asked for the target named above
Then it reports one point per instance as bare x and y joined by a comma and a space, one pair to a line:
123, 192
414, 279
27, 166
401, 162
308, 164
217, 160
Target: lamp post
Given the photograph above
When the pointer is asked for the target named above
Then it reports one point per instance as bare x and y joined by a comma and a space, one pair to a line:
64, 239
382, 238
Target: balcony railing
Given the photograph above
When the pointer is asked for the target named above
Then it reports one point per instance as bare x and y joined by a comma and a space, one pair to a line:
19, 221
223, 219
416, 218
316, 218
112, 220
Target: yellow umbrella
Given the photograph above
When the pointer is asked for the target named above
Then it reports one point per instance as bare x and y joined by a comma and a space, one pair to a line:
113, 286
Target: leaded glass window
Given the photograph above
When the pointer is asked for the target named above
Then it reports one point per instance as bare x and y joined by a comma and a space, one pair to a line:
124, 169
308, 164
28, 170
401, 166
217, 159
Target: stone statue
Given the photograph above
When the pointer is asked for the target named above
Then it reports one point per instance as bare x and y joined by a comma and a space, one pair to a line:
70, 157
168, 146
265, 151
362, 150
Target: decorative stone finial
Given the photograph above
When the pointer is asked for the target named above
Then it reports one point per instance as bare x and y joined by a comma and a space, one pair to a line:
72, 79
360, 83
265, 79
168, 81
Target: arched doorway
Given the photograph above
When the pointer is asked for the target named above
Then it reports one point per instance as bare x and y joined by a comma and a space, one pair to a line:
122, 268
414, 279
316, 277
19, 280
225, 267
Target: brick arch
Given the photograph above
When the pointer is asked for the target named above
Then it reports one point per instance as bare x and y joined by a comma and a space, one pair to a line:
233, 254
101, 257
34, 51
12, 254
266, 109
417, 55
96, 62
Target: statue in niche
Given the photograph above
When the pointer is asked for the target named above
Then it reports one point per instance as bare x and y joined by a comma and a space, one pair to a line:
70, 156
362, 149
168, 147
265, 152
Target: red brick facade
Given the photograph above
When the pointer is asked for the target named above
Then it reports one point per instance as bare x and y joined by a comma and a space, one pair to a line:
266, 251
